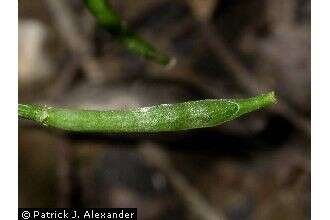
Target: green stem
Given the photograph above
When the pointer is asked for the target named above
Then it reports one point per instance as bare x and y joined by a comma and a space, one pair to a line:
111, 21
160, 118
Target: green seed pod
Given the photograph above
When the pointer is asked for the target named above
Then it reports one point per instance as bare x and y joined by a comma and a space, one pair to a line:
159, 118
111, 21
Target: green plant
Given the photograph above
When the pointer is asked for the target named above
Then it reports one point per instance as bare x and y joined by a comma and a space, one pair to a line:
111, 21
160, 118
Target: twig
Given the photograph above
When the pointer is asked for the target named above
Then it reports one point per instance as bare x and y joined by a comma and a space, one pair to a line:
194, 200
64, 79
65, 23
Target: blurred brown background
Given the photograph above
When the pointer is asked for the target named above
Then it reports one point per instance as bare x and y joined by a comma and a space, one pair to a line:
257, 167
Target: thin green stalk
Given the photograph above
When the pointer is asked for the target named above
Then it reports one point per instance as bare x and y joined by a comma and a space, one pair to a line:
111, 21
160, 118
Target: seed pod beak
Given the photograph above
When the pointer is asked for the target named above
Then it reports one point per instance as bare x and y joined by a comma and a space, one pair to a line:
255, 103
